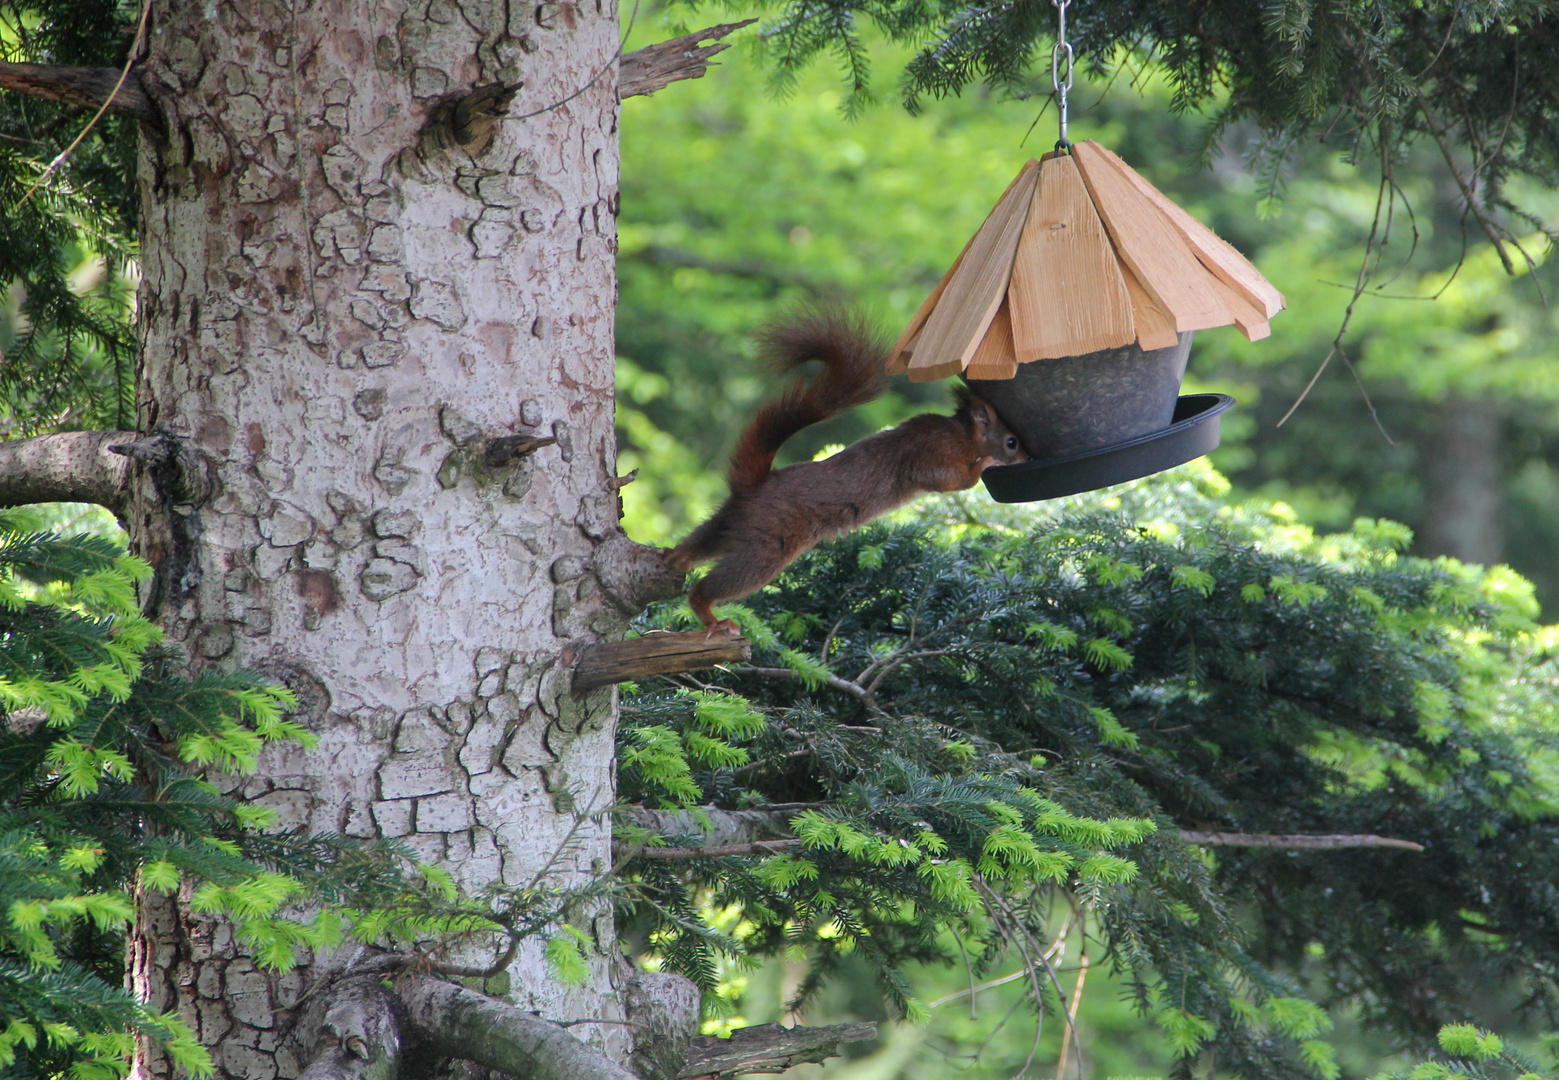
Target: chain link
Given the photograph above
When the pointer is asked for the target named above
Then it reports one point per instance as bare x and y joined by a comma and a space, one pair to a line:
1062, 51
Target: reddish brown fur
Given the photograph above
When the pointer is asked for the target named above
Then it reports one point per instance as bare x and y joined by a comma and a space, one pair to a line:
852, 375
774, 516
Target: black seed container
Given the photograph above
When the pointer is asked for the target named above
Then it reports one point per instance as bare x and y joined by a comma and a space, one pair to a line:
1075, 404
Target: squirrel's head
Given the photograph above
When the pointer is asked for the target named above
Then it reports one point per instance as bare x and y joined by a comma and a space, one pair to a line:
1001, 446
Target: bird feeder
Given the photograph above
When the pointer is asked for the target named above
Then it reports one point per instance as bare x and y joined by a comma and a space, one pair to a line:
1071, 312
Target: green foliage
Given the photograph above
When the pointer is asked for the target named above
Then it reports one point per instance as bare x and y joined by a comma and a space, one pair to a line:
985, 755
565, 955
64, 296
1375, 78
1471, 1054
97, 730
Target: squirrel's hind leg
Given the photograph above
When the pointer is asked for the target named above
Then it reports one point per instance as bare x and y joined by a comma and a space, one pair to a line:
747, 565
703, 543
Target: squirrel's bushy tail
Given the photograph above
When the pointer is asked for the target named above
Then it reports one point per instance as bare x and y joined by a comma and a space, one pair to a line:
851, 351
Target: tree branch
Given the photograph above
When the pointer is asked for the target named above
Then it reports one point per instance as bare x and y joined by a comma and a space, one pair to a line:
83, 86
769, 1048
610, 662
724, 826
459, 1023
1296, 840
713, 851
654, 67
663, 1009
360, 1035
764, 830
368, 1030
73, 466
1490, 228
634, 575
844, 686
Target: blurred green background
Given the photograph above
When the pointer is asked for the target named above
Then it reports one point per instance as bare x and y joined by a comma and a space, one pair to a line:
738, 201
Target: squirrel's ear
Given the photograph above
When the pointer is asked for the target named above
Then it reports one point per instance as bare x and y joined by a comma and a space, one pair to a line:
981, 416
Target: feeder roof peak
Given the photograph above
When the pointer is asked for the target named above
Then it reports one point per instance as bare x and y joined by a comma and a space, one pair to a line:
1079, 254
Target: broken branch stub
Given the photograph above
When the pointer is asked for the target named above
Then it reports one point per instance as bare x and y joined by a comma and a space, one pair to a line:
656, 653
87, 87
1299, 841
657, 66
477, 112
501, 451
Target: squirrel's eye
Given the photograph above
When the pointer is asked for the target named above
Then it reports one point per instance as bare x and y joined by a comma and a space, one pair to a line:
1012, 442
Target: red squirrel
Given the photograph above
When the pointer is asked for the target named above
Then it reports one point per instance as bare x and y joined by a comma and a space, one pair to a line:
773, 515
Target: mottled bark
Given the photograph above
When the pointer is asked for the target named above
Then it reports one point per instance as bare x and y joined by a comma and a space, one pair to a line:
75, 466
341, 310
1463, 477
664, 1009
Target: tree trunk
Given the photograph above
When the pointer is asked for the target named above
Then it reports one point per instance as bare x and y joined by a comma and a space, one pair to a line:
1464, 484
341, 305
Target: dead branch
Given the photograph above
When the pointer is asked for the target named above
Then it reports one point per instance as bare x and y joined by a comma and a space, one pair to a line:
83, 86
509, 448
760, 830
1497, 236
724, 826
641, 72
833, 682
74, 466
769, 1048
713, 851
728, 832
655, 67
1296, 840
659, 653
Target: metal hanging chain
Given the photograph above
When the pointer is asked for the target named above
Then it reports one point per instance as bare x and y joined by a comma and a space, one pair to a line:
1062, 49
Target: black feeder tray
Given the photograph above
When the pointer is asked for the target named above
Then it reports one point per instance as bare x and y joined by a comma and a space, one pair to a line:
1193, 431
1099, 419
